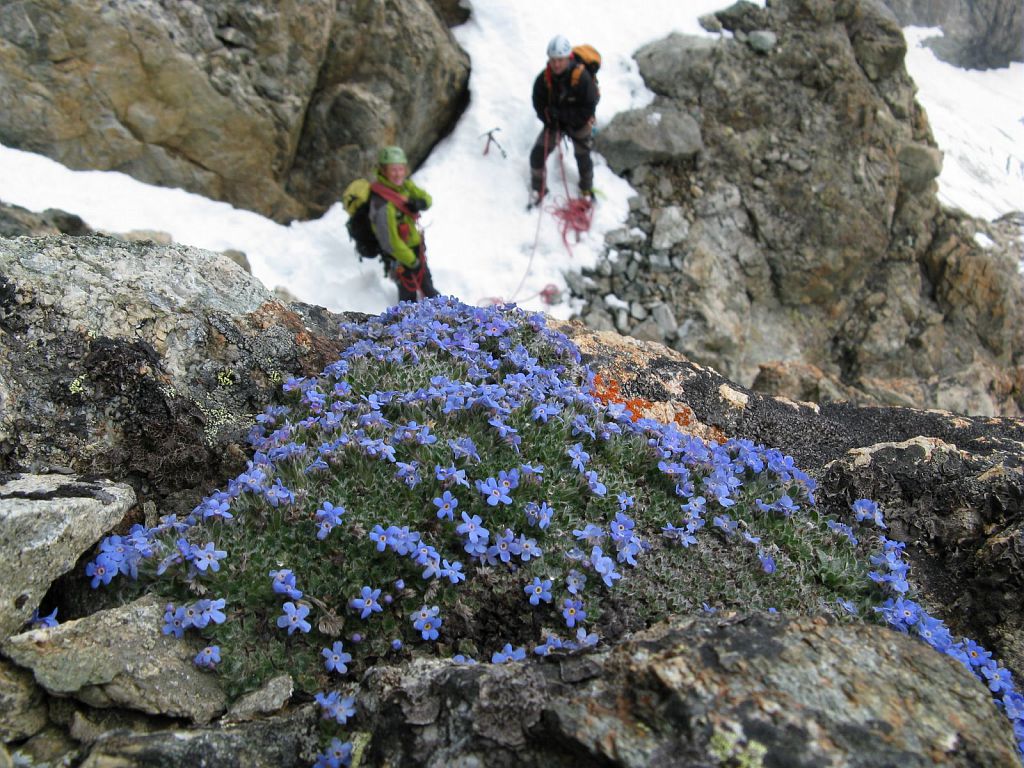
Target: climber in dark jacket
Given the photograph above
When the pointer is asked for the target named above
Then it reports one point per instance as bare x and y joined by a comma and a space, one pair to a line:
565, 99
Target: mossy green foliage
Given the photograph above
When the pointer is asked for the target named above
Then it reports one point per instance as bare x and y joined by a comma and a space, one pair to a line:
444, 377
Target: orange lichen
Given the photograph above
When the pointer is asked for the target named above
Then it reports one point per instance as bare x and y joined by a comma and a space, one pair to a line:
610, 392
607, 390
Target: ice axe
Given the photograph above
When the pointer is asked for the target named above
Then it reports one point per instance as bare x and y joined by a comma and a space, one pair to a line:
491, 140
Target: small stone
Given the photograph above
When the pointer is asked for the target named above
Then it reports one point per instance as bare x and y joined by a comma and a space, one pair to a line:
270, 698
660, 262
666, 320
622, 321
649, 330
710, 23
599, 320
671, 228
762, 40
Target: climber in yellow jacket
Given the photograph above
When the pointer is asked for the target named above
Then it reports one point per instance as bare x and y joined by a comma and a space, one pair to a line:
395, 206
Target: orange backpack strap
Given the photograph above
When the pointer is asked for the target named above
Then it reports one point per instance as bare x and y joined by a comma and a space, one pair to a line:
577, 72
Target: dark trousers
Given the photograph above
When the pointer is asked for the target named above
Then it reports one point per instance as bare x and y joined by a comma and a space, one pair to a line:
582, 143
408, 280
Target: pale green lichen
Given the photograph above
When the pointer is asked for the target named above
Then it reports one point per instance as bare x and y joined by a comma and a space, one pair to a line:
730, 748
77, 385
215, 421
360, 741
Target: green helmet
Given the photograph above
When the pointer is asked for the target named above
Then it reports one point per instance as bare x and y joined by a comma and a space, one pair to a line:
391, 156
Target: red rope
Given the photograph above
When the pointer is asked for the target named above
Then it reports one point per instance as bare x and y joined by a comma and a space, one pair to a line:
575, 214
536, 234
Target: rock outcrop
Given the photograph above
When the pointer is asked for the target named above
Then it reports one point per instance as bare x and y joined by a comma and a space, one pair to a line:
694, 692
119, 658
182, 346
50, 522
952, 485
16, 221
272, 107
977, 34
798, 230
146, 329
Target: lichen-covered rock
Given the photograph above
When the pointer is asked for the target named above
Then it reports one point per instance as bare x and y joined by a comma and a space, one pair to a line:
119, 355
700, 691
120, 658
267, 105
46, 523
628, 703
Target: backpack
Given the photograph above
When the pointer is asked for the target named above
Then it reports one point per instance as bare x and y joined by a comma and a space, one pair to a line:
590, 58
356, 200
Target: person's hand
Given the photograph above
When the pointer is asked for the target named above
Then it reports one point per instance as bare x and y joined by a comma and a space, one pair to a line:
416, 204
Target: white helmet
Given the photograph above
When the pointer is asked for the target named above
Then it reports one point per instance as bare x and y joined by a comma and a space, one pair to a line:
559, 47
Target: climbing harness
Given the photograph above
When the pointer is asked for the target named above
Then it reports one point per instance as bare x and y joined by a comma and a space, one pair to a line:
413, 281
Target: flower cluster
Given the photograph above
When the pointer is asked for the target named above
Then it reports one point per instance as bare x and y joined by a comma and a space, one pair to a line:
464, 457
200, 615
905, 615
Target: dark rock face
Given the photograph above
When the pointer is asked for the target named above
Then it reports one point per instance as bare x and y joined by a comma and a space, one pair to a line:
802, 227
963, 510
391, 74
270, 106
978, 34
